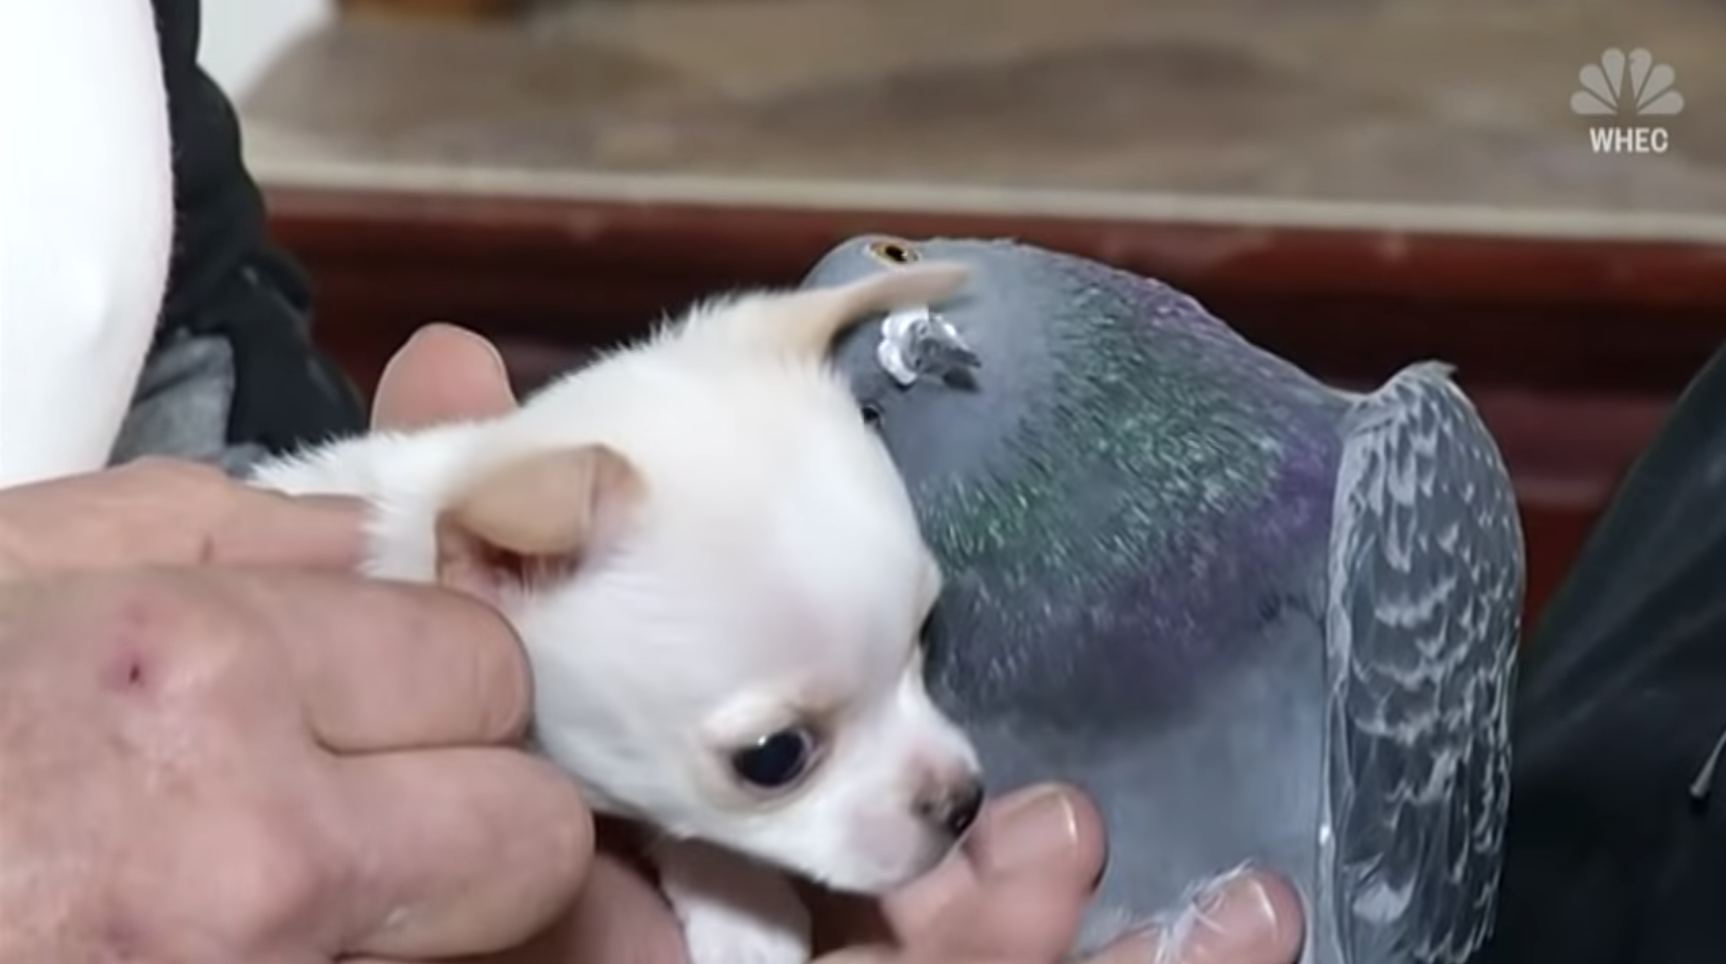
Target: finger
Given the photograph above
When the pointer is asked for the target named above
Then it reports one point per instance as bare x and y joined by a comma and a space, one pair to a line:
1254, 919
385, 666
270, 529
454, 852
442, 374
1050, 831
1025, 918
168, 512
617, 916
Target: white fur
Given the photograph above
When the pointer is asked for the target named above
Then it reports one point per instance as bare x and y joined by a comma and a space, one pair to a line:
86, 220
775, 569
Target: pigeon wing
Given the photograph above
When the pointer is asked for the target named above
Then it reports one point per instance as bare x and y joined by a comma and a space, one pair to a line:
1426, 581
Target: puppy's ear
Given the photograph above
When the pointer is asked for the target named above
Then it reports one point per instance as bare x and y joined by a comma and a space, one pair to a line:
535, 518
807, 322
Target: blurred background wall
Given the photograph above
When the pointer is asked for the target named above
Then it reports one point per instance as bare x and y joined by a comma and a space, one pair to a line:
242, 37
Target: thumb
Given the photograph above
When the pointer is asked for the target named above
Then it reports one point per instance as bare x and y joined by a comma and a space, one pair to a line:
443, 374
1019, 889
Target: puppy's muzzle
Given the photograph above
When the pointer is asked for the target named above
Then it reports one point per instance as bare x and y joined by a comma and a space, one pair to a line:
951, 809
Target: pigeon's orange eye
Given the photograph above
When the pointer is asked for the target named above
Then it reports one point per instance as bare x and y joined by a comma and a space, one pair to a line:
893, 252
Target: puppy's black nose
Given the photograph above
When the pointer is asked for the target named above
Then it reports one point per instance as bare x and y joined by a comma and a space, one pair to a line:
953, 808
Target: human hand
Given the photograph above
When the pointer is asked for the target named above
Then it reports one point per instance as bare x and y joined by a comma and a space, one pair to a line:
234, 765
227, 763
1014, 893
1018, 889
167, 512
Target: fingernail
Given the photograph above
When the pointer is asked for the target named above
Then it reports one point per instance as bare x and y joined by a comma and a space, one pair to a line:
1250, 923
1035, 829
419, 335
1244, 908
444, 329
422, 331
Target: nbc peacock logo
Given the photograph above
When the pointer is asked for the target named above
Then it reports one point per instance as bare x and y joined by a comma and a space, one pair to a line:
1629, 86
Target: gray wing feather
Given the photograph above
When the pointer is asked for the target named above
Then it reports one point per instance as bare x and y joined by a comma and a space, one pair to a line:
1425, 596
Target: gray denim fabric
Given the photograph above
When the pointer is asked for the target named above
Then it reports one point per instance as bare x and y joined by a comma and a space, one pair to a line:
180, 409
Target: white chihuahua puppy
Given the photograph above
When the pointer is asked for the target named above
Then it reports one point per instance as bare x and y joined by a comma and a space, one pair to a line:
720, 582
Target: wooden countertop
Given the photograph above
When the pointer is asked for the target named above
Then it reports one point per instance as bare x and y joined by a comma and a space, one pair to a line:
1357, 103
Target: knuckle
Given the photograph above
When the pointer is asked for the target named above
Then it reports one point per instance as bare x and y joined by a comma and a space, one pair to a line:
171, 632
477, 659
273, 875
504, 685
188, 496
570, 828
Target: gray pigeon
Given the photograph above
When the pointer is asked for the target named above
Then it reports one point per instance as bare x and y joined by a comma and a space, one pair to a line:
1261, 620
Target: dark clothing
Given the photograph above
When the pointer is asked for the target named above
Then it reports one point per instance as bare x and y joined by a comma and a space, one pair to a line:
235, 319
1616, 851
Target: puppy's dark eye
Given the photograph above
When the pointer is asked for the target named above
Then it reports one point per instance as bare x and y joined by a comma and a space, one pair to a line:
871, 415
776, 760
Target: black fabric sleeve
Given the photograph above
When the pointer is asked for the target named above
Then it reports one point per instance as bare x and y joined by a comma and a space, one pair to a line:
226, 278
1616, 848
